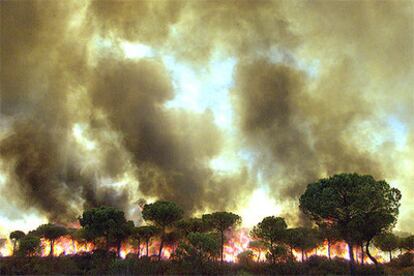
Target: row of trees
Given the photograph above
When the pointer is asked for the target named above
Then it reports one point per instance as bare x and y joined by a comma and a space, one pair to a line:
107, 227
350, 207
272, 235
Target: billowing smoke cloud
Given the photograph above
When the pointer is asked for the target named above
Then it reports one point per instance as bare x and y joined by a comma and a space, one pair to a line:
171, 148
290, 129
316, 86
55, 88
40, 69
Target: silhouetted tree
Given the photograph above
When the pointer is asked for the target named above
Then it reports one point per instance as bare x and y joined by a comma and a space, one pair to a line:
163, 214
171, 239
407, 243
352, 203
387, 242
51, 232
221, 221
258, 246
245, 258
145, 233
330, 234
29, 246
203, 246
190, 225
107, 222
277, 253
302, 238
271, 230
15, 236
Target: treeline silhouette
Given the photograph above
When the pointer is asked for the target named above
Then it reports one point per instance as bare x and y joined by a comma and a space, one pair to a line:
349, 208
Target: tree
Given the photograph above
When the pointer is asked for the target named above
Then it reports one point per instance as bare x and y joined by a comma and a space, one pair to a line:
190, 225
146, 233
221, 221
29, 246
51, 232
354, 204
330, 234
407, 243
163, 214
15, 237
258, 246
301, 238
277, 253
387, 242
271, 230
203, 246
106, 222
171, 239
245, 258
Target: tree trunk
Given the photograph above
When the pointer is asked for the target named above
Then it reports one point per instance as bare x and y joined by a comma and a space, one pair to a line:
362, 253
356, 254
329, 249
161, 243
139, 248
222, 247
14, 247
258, 256
390, 256
147, 242
52, 243
370, 256
73, 246
118, 248
271, 253
351, 258
107, 244
303, 256
161, 246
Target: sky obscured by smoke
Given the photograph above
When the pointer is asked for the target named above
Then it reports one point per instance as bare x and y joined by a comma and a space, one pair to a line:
315, 88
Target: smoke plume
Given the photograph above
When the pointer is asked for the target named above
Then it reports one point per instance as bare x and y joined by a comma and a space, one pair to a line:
318, 88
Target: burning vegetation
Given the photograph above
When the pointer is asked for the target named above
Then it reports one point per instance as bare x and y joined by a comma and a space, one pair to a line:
346, 224
200, 105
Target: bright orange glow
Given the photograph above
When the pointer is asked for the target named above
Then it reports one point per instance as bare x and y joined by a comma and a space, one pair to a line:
237, 242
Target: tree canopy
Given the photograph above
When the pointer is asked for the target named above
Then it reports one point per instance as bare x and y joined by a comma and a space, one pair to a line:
189, 225
202, 246
357, 205
106, 222
163, 214
330, 234
387, 242
15, 236
271, 230
51, 232
407, 243
145, 233
302, 238
221, 221
29, 246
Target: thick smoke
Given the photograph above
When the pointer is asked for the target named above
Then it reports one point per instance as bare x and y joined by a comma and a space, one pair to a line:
171, 148
41, 66
291, 130
51, 84
315, 86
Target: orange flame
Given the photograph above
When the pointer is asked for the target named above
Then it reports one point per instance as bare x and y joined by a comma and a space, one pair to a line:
237, 242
